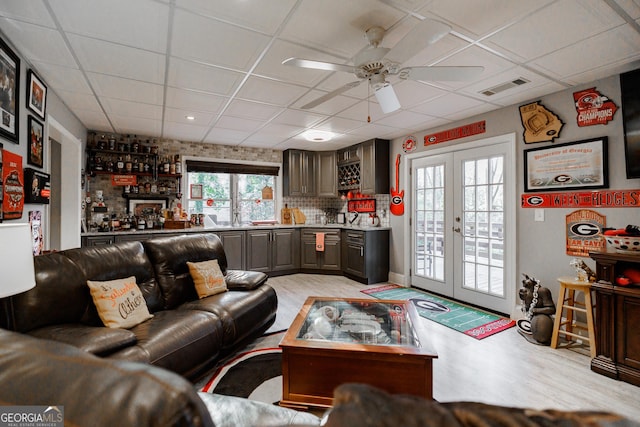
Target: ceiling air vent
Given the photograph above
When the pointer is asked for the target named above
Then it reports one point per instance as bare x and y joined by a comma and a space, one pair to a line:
504, 86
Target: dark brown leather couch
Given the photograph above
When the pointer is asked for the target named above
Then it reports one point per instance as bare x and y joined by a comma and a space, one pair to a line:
186, 335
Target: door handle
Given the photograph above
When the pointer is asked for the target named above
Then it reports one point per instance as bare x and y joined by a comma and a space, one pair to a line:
456, 229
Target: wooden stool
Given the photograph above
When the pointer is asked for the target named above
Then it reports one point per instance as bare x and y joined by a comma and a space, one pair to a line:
566, 300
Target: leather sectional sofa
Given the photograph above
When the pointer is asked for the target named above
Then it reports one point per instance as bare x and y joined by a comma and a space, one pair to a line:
186, 334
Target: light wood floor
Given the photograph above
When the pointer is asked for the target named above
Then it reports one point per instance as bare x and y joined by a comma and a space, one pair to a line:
502, 369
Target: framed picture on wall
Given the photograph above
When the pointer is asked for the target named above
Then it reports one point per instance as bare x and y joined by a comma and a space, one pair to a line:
571, 166
36, 148
9, 85
36, 94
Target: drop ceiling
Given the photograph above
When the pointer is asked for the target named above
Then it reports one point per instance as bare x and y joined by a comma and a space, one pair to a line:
142, 66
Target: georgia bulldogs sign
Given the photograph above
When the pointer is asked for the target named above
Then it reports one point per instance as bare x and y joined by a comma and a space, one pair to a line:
583, 199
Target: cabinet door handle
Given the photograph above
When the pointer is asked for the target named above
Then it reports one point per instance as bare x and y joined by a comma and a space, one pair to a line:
361, 251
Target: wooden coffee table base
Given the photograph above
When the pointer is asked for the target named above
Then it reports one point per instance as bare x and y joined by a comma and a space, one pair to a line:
310, 374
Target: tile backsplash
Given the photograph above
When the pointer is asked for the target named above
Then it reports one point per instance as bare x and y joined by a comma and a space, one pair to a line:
314, 207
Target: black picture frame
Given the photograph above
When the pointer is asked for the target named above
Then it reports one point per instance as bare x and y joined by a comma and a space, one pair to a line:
9, 93
37, 186
36, 95
35, 141
579, 165
630, 87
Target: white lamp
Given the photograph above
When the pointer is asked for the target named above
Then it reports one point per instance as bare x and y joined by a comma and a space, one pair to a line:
16, 263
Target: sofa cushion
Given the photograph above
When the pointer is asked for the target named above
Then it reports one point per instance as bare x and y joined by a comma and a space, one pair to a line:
244, 314
119, 302
95, 392
207, 277
96, 340
122, 259
231, 411
179, 340
169, 256
60, 295
241, 280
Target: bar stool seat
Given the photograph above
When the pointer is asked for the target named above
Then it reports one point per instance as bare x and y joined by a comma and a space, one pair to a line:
567, 301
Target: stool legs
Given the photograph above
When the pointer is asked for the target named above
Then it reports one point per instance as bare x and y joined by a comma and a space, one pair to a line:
568, 301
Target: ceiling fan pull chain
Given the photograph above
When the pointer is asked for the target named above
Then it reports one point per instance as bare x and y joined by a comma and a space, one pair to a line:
368, 103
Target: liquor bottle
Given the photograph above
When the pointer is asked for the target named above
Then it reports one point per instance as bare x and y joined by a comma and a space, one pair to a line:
120, 164
178, 164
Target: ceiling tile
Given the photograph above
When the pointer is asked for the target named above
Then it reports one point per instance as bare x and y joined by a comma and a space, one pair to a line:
126, 89
400, 119
62, 78
131, 109
411, 93
298, 118
177, 115
535, 80
34, 12
481, 18
545, 31
117, 60
213, 42
338, 125
225, 136
269, 91
190, 75
183, 131
252, 110
192, 102
237, 123
38, 43
318, 24
94, 120
262, 16
617, 45
79, 101
450, 103
136, 125
141, 23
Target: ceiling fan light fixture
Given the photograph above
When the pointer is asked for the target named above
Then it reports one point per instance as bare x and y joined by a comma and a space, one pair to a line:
318, 135
387, 98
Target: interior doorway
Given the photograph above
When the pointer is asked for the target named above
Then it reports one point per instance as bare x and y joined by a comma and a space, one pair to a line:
55, 202
463, 222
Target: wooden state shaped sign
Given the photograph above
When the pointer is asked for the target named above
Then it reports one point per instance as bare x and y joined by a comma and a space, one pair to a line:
539, 123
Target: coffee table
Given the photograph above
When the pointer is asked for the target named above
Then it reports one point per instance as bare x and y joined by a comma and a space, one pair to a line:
338, 340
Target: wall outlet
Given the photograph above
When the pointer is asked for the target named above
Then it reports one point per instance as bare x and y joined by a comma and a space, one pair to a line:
538, 215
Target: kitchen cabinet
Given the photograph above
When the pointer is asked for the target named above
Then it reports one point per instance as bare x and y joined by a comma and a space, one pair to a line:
273, 250
234, 248
326, 177
299, 168
365, 255
364, 167
617, 319
327, 260
97, 240
374, 167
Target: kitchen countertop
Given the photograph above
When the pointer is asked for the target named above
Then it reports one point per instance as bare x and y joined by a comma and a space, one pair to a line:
242, 227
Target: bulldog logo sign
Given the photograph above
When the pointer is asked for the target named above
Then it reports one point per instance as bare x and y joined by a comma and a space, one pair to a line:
593, 108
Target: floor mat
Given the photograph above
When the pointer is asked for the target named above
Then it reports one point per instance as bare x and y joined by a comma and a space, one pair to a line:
471, 321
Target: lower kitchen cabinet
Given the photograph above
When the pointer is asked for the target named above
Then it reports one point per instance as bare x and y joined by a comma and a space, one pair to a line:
97, 240
273, 250
312, 259
234, 248
365, 255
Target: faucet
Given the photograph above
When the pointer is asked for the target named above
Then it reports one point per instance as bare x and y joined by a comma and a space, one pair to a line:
353, 218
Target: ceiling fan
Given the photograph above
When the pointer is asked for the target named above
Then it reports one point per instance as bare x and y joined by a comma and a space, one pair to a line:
375, 63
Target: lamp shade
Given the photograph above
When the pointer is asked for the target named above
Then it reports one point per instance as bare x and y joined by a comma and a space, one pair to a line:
387, 98
16, 259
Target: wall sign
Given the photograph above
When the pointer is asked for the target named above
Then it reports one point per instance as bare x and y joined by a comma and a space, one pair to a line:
409, 144
539, 123
13, 185
580, 164
584, 232
37, 186
593, 108
583, 199
455, 133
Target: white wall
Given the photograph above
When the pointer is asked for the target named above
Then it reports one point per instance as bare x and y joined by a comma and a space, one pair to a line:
541, 245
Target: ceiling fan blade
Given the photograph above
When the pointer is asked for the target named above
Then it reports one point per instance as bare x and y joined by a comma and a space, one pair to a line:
330, 95
440, 73
425, 33
318, 65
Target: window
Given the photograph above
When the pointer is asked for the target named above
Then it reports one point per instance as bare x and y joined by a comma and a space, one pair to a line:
233, 193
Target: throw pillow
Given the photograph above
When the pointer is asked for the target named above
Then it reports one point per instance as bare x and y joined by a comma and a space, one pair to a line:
207, 277
119, 302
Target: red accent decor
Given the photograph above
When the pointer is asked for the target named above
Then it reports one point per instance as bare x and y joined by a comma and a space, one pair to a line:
455, 133
583, 199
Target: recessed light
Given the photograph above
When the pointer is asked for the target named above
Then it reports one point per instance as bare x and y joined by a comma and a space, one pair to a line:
190, 117
318, 135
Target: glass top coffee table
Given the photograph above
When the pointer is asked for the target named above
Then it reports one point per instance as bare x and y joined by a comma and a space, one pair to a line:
336, 340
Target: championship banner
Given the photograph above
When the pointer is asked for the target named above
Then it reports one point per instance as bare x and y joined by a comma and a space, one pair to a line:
455, 133
583, 199
13, 185
584, 232
593, 107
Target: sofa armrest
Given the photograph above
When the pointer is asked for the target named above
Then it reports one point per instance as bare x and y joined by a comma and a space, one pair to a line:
240, 280
93, 391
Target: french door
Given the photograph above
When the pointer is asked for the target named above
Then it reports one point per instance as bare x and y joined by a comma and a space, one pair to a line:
462, 211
